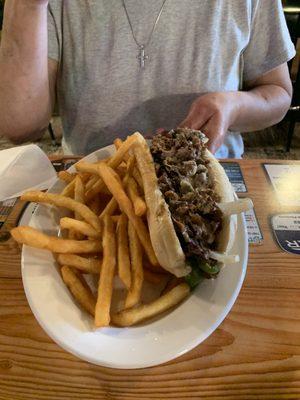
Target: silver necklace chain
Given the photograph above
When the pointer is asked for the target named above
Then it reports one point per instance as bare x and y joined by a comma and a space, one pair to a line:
142, 57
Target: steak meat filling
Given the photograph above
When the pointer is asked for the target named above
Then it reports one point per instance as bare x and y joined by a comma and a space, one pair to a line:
183, 179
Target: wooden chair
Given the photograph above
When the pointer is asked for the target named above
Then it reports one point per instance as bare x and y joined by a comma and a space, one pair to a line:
52, 135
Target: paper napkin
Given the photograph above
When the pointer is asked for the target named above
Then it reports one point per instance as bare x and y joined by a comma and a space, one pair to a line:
24, 168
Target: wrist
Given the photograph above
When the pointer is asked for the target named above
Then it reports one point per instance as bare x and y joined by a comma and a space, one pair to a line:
236, 100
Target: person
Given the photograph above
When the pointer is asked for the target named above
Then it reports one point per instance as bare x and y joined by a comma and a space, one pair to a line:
118, 66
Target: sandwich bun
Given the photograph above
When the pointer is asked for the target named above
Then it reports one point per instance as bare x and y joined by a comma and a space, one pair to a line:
163, 236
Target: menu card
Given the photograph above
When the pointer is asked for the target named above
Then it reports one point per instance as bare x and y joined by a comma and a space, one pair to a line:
285, 179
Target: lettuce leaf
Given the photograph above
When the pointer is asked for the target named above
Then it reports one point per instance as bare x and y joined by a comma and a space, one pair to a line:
201, 270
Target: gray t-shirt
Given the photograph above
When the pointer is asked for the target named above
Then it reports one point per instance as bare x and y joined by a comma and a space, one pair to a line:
198, 46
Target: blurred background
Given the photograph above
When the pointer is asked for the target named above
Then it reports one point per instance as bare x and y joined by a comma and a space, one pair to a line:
281, 141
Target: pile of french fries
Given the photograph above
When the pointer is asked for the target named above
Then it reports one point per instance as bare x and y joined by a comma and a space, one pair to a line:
106, 236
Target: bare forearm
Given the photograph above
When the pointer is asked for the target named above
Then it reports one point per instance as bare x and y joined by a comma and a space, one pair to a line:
259, 108
24, 84
264, 104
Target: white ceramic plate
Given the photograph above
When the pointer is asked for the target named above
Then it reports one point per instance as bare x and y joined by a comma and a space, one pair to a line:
147, 345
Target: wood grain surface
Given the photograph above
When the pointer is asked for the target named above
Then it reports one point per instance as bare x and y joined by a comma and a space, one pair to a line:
254, 354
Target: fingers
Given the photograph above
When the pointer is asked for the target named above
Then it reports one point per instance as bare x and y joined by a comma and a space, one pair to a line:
215, 131
159, 130
197, 117
212, 113
211, 124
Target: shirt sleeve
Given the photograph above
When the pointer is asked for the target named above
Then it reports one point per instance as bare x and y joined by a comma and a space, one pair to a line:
53, 37
270, 44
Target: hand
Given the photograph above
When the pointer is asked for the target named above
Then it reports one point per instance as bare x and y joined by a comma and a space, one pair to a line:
213, 114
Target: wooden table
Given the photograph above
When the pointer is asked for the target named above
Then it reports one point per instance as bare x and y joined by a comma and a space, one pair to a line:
254, 354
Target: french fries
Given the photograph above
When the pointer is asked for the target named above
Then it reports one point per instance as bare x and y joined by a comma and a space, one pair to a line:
91, 181
79, 226
117, 144
125, 205
79, 289
68, 191
139, 204
136, 256
107, 201
123, 251
137, 176
113, 163
96, 204
79, 193
135, 171
116, 218
110, 208
88, 265
102, 311
61, 201
135, 315
122, 151
34, 238
130, 165
78, 196
91, 168
66, 176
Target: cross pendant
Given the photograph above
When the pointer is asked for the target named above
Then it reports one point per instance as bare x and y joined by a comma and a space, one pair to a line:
142, 56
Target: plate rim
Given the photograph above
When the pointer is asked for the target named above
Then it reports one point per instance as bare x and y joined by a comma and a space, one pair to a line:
162, 359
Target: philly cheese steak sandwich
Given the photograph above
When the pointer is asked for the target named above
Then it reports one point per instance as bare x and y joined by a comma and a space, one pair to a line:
191, 204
